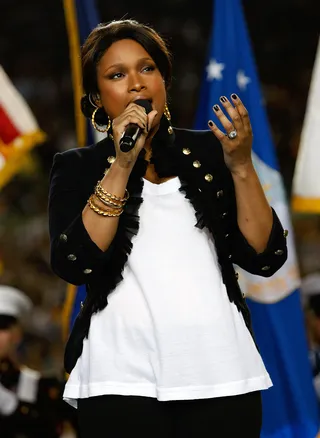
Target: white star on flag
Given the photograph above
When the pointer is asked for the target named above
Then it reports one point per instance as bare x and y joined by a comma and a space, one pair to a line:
242, 80
214, 70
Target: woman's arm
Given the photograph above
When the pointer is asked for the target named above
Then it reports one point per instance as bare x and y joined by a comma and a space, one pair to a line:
254, 213
258, 241
103, 229
75, 257
81, 239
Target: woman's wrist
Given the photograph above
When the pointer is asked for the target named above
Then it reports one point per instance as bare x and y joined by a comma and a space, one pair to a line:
124, 165
121, 169
243, 171
116, 179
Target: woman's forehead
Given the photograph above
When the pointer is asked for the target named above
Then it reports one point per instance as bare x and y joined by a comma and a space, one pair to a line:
124, 51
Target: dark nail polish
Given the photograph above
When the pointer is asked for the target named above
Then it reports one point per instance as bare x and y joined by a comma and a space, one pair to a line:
223, 99
216, 107
234, 96
210, 123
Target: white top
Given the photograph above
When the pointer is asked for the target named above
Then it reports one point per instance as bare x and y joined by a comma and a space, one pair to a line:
169, 330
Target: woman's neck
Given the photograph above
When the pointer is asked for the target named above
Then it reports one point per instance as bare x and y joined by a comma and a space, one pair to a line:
151, 174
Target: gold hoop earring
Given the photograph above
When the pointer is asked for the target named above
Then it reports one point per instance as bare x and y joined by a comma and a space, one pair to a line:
94, 124
168, 117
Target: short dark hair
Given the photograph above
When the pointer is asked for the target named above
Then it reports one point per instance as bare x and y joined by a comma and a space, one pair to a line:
7, 321
102, 37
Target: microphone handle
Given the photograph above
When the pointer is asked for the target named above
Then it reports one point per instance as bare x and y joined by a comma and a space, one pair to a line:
129, 138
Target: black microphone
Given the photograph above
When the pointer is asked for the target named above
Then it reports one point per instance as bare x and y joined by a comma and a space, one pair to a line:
132, 132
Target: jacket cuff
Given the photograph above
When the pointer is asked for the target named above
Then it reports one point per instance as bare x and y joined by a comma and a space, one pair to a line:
75, 254
268, 262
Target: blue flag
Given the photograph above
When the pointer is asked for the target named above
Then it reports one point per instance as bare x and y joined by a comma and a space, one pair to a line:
81, 17
87, 17
290, 407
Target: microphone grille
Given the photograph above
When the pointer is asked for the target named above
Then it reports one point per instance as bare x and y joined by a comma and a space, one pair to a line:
145, 104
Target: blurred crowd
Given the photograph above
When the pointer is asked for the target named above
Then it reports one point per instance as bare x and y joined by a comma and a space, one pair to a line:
34, 52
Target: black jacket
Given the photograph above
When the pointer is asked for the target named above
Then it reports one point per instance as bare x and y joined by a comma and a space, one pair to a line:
196, 157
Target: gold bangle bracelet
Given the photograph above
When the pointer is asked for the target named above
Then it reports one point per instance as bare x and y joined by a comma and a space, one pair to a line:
107, 200
106, 213
110, 195
108, 203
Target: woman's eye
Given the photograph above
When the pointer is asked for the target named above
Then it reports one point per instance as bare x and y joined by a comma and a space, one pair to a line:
148, 68
116, 75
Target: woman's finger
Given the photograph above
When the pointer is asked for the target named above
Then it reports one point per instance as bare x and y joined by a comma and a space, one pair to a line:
217, 132
233, 113
120, 125
151, 116
243, 113
228, 126
134, 112
133, 106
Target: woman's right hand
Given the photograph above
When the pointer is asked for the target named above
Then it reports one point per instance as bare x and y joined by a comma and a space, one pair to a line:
132, 114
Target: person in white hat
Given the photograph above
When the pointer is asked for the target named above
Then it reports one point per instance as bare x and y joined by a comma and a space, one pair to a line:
14, 306
31, 404
17, 386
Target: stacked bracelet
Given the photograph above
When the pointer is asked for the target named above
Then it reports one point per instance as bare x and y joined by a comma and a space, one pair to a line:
109, 195
114, 204
98, 210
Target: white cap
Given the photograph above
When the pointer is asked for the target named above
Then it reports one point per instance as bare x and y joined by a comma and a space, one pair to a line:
13, 302
310, 284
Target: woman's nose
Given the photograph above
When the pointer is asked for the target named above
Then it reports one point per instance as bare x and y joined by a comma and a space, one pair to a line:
136, 83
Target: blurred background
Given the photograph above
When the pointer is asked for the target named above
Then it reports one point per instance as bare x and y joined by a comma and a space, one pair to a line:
34, 53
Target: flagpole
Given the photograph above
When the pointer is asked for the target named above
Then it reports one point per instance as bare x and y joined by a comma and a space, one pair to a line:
74, 50
81, 127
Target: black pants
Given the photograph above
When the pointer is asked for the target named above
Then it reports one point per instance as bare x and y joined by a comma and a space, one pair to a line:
114, 416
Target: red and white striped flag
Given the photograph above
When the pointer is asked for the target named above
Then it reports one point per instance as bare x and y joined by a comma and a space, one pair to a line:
19, 130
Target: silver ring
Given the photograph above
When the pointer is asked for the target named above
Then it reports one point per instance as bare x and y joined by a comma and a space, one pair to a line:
232, 134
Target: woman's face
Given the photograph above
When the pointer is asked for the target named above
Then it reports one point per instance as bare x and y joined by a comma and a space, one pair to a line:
125, 73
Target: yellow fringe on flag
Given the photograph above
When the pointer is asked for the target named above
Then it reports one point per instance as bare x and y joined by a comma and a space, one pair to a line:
305, 205
15, 154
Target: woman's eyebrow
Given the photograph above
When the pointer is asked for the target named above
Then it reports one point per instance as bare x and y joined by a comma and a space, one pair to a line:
121, 64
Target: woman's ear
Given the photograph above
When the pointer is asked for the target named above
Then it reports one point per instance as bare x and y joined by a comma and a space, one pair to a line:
97, 100
94, 99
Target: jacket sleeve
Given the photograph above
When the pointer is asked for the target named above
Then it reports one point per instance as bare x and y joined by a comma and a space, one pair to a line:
268, 262
236, 246
74, 256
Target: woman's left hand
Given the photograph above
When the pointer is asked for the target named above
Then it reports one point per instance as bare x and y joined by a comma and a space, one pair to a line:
237, 150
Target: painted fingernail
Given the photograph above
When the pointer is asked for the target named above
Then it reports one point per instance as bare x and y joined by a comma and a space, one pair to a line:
210, 123
234, 96
216, 107
223, 99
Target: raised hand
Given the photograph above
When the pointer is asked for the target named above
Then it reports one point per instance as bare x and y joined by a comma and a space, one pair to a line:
132, 114
237, 139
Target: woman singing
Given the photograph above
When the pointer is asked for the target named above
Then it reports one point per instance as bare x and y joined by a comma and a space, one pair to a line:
163, 345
